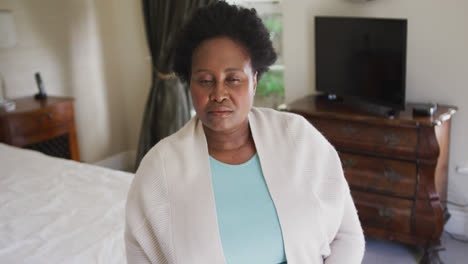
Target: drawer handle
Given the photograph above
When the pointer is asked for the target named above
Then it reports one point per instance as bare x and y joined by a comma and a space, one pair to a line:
348, 162
41, 117
391, 139
391, 175
349, 130
386, 213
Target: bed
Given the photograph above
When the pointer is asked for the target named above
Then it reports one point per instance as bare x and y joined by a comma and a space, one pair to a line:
60, 211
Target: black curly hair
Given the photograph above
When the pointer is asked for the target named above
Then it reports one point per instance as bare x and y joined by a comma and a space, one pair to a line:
221, 19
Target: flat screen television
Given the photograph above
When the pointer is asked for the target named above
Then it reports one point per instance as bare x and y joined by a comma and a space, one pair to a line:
362, 58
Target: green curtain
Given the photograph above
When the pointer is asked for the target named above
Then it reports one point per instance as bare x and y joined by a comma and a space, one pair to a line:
168, 105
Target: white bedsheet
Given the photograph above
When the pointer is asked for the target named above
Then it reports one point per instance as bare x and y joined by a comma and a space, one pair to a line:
60, 211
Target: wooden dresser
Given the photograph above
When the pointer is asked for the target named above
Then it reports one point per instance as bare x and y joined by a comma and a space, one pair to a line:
396, 168
46, 125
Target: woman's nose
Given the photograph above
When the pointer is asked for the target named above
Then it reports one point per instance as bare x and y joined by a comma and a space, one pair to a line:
219, 93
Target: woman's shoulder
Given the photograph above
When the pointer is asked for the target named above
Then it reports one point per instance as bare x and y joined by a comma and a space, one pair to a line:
153, 164
272, 114
288, 124
175, 140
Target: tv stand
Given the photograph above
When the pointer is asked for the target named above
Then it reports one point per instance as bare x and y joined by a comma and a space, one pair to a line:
397, 168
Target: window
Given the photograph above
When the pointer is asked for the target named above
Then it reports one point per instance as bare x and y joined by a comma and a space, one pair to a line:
270, 89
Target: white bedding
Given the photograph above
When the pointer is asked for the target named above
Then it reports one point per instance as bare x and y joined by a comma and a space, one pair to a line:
60, 211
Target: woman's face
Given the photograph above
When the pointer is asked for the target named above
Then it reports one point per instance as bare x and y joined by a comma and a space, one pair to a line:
222, 84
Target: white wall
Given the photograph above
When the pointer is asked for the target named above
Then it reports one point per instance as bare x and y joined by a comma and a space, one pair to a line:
127, 62
94, 51
437, 63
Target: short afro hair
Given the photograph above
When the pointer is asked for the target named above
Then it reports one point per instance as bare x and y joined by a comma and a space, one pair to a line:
223, 20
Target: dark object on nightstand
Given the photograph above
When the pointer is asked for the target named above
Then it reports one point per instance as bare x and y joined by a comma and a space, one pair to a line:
424, 109
46, 125
40, 85
397, 168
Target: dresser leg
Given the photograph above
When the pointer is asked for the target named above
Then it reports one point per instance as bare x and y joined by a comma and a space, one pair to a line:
431, 253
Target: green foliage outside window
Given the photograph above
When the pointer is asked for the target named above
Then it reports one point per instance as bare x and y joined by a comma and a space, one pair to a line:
272, 82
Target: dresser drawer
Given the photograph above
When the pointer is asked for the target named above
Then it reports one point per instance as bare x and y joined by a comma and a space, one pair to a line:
369, 138
391, 177
383, 212
32, 123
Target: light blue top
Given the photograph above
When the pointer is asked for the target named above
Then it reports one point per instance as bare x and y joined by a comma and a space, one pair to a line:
248, 224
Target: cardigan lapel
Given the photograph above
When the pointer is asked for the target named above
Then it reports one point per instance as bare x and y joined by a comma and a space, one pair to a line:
296, 205
195, 224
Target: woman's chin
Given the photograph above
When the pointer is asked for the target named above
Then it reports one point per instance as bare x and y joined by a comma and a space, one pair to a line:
219, 125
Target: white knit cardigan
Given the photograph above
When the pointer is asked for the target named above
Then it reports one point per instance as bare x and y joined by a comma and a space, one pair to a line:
171, 214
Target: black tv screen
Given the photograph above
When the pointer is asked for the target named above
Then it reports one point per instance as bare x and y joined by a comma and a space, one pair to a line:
364, 58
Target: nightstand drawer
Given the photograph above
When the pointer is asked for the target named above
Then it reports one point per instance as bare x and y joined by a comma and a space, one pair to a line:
31, 123
46, 125
383, 212
391, 177
388, 140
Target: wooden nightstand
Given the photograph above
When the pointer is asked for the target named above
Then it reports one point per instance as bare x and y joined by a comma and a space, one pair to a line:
46, 125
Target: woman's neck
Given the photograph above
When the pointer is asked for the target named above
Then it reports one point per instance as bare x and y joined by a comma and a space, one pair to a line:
228, 141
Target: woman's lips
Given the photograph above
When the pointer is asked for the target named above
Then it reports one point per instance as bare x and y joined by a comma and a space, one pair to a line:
220, 112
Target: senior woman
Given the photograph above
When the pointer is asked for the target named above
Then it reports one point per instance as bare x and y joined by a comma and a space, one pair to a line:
238, 184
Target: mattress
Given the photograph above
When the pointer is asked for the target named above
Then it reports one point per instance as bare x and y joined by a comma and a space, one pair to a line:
60, 211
